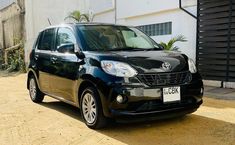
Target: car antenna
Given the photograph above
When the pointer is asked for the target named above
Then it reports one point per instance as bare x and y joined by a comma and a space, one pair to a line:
49, 21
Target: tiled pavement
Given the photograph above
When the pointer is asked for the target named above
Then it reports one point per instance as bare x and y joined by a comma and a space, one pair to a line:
219, 93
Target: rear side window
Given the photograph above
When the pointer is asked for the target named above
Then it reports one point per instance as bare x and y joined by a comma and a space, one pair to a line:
46, 41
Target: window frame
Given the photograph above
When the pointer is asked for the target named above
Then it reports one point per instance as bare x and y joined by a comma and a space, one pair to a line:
41, 36
36, 42
76, 44
86, 47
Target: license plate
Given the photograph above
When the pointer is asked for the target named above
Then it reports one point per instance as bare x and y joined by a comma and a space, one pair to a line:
171, 94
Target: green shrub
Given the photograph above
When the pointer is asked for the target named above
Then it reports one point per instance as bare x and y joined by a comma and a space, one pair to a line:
170, 44
16, 60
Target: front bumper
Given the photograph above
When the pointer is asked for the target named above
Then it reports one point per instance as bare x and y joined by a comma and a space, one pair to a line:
146, 103
170, 111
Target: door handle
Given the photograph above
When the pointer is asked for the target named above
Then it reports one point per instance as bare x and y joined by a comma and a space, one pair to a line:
53, 59
36, 56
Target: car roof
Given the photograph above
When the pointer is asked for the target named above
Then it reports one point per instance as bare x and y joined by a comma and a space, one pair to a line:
81, 24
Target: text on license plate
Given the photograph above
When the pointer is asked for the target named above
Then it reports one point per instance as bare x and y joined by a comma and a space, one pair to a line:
171, 94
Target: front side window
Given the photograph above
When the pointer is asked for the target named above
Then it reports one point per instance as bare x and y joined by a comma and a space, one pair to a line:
46, 41
108, 38
65, 36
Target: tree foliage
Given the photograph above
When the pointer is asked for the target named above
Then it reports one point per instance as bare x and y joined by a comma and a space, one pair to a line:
78, 17
170, 45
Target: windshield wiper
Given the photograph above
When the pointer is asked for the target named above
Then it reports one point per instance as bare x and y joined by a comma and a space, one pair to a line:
127, 49
155, 48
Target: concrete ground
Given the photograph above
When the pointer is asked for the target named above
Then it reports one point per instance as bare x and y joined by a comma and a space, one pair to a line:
23, 122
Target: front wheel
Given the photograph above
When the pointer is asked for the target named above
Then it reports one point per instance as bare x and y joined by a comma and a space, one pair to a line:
91, 109
35, 94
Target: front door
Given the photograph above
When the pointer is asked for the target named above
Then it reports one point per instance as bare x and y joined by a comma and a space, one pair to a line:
65, 66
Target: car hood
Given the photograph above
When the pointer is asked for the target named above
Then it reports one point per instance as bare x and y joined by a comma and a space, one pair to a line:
148, 61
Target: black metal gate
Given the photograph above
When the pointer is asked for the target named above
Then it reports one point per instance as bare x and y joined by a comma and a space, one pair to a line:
216, 39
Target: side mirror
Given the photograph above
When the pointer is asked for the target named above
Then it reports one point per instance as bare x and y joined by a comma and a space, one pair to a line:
69, 48
80, 54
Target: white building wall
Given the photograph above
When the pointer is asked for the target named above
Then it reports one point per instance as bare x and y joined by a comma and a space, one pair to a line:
145, 12
130, 8
100, 6
141, 12
39, 11
106, 17
182, 24
190, 5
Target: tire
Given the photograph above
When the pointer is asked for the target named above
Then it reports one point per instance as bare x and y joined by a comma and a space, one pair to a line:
35, 94
91, 109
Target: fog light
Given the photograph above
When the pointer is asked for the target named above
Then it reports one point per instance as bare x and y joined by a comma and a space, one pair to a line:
120, 99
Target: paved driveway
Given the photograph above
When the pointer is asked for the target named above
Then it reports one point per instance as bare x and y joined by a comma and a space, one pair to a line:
55, 123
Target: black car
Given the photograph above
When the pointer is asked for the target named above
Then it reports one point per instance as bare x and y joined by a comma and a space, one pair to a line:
112, 72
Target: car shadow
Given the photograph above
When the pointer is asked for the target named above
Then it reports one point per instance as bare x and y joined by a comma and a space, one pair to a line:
64, 108
74, 112
190, 129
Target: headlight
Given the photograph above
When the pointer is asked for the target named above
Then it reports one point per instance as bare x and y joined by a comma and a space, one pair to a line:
191, 65
118, 69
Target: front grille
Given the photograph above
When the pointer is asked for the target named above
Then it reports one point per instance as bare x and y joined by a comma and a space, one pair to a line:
163, 79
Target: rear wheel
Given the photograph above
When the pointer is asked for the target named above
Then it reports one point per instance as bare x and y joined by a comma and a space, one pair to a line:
91, 109
35, 94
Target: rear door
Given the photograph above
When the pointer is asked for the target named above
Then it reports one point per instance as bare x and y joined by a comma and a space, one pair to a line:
43, 58
65, 66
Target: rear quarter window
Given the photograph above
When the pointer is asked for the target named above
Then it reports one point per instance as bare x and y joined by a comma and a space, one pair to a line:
47, 40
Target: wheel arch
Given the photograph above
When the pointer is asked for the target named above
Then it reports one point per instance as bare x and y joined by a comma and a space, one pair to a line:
31, 72
90, 81
85, 84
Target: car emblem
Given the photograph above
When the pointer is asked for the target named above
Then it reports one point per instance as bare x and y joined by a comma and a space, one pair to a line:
166, 66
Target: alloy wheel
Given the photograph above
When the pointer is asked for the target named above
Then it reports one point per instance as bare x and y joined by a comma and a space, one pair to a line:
89, 108
32, 88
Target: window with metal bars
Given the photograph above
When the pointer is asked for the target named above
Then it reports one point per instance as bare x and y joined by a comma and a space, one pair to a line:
157, 29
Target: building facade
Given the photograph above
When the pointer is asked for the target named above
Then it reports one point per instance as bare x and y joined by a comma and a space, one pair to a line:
43, 13
162, 20
11, 23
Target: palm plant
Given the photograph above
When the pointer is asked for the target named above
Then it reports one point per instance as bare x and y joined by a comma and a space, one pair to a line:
78, 17
170, 45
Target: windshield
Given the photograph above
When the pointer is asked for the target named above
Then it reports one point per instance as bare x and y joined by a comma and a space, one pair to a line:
111, 38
